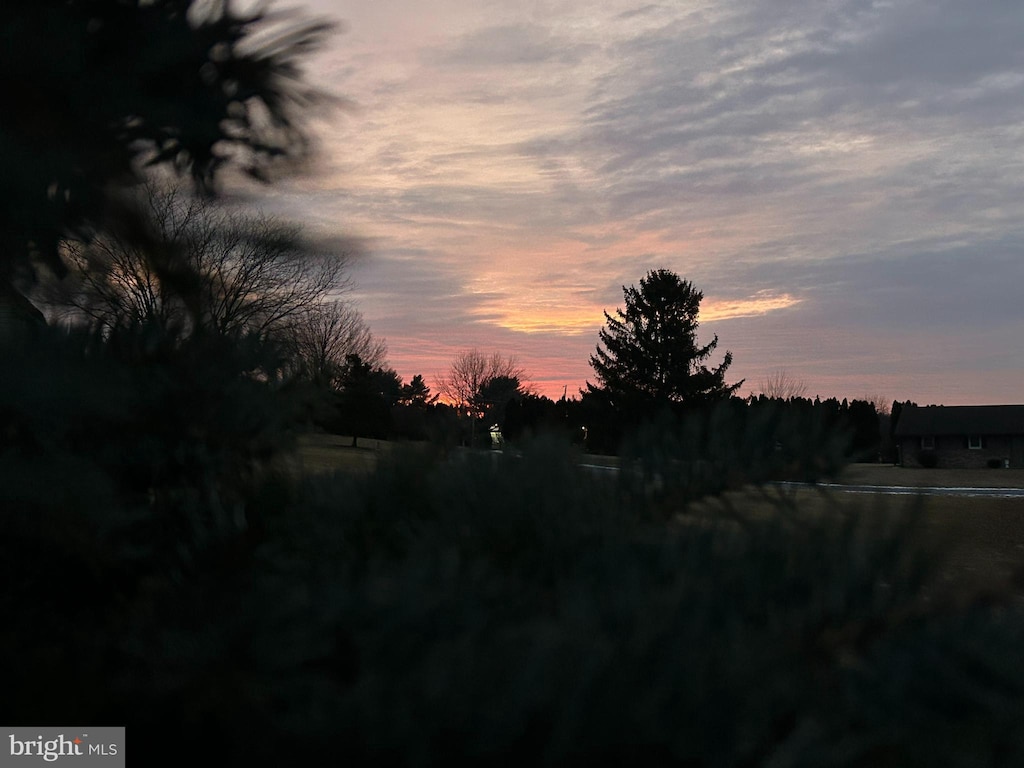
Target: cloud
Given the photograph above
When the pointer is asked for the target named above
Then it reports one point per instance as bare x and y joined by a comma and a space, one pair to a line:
510, 45
833, 175
761, 303
748, 93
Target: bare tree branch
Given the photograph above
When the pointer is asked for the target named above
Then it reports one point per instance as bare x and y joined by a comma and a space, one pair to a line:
245, 273
470, 372
326, 335
781, 385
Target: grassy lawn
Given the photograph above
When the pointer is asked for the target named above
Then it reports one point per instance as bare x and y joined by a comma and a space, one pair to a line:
334, 453
979, 540
982, 539
886, 474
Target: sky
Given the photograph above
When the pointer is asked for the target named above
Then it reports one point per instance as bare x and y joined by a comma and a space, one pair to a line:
842, 179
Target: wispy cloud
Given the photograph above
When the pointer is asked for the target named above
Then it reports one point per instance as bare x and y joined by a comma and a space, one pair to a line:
761, 303
837, 169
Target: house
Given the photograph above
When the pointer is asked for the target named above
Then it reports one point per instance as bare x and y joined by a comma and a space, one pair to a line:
18, 316
960, 436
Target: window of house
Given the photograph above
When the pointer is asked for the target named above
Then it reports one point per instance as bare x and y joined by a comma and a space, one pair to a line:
974, 442
928, 443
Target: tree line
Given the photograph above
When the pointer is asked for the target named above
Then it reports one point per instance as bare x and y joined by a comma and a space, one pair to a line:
651, 370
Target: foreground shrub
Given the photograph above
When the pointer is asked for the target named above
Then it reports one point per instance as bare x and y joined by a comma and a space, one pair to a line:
507, 609
403, 618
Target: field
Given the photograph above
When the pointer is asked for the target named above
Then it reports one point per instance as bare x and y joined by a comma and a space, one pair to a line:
985, 535
334, 453
886, 474
981, 538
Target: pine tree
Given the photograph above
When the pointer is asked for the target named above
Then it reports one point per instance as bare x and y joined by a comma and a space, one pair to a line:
96, 92
650, 355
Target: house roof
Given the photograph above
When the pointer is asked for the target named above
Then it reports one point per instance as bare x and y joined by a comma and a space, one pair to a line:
961, 420
18, 315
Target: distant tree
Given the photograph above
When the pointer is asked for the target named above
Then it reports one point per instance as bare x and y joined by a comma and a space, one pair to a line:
417, 415
326, 335
532, 414
883, 406
883, 415
601, 423
779, 384
470, 373
473, 380
650, 356
494, 397
96, 92
363, 407
416, 393
865, 428
251, 273
387, 384
895, 411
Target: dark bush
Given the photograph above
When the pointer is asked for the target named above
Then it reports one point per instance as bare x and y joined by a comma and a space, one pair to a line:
160, 572
928, 459
994, 463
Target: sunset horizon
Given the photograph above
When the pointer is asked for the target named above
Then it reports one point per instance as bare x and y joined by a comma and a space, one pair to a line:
842, 183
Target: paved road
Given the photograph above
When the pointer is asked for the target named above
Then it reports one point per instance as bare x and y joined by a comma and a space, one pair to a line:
906, 490
885, 490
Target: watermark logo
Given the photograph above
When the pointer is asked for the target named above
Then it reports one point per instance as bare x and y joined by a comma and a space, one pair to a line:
85, 747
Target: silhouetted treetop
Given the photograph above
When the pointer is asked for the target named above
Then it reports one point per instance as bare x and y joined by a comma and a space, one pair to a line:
416, 393
650, 355
247, 272
471, 373
96, 90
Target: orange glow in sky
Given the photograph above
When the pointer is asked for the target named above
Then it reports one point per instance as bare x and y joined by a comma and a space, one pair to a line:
842, 186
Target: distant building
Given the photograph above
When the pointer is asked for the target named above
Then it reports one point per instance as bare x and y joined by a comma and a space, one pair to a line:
966, 436
19, 317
